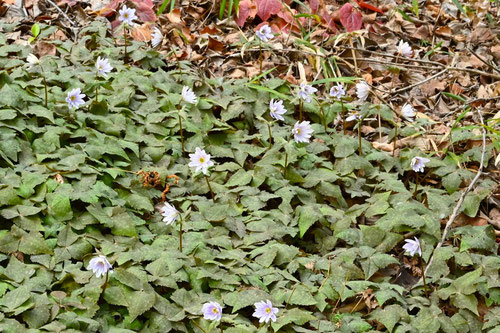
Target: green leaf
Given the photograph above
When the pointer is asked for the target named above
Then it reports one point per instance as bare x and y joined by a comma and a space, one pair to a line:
140, 302
35, 30
307, 217
59, 206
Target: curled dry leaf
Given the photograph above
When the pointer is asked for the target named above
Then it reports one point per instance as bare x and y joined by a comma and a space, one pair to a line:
141, 33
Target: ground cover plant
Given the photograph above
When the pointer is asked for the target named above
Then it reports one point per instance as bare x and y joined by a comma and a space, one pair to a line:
140, 192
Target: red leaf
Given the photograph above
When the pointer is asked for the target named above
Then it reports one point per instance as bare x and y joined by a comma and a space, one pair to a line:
247, 9
314, 6
145, 13
146, 3
266, 8
350, 19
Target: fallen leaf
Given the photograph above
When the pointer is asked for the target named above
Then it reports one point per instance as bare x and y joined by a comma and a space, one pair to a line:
145, 13
430, 87
480, 36
141, 33
266, 8
174, 16
248, 9
350, 19
44, 48
215, 45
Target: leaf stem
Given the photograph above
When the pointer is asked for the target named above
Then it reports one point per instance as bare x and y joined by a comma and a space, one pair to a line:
360, 150
270, 135
423, 276
344, 127
286, 162
125, 38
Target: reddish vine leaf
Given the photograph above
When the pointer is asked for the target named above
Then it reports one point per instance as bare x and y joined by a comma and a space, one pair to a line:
350, 19
247, 9
145, 13
314, 4
266, 8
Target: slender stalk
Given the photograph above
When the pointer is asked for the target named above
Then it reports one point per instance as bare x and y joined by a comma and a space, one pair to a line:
423, 276
180, 128
46, 87
270, 135
343, 116
105, 283
196, 324
323, 115
286, 162
379, 124
125, 38
210, 188
96, 88
301, 105
360, 150
180, 234
395, 138
416, 184
260, 58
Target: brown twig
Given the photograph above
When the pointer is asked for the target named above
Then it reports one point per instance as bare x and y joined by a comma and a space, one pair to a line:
484, 61
421, 82
462, 197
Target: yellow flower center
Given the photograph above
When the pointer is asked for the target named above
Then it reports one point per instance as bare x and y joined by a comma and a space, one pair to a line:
125, 15
202, 160
73, 98
215, 311
298, 130
268, 310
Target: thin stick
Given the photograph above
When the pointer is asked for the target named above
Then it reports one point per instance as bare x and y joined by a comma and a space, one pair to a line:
62, 12
395, 141
289, 298
484, 61
421, 82
210, 188
180, 128
462, 197
45, 83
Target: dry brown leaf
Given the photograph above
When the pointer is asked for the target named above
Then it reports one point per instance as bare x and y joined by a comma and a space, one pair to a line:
495, 218
481, 35
175, 16
430, 87
44, 48
141, 33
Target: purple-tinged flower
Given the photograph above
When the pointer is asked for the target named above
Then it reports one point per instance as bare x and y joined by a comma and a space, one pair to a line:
305, 92
408, 112
353, 115
265, 311
75, 98
212, 311
337, 91
169, 213
103, 66
412, 247
277, 109
100, 266
404, 49
418, 163
264, 33
302, 131
157, 37
188, 95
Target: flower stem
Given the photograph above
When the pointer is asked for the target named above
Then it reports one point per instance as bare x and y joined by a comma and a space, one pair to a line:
286, 162
105, 283
96, 88
260, 58
343, 116
423, 276
379, 124
46, 88
180, 128
395, 138
180, 234
359, 136
125, 38
210, 188
417, 180
301, 106
270, 135
323, 115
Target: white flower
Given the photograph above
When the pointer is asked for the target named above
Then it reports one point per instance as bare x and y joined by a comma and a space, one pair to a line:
305, 91
277, 109
264, 33
157, 37
103, 66
302, 131
362, 90
75, 98
100, 266
408, 112
188, 95
265, 311
32, 60
127, 15
337, 91
412, 247
404, 49
169, 213
200, 160
418, 163
212, 311
353, 115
